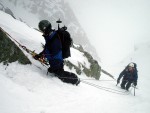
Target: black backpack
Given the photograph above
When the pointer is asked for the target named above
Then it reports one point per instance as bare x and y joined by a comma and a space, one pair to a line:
66, 41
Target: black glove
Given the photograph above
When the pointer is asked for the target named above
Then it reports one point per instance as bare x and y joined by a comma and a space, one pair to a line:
118, 81
134, 83
37, 56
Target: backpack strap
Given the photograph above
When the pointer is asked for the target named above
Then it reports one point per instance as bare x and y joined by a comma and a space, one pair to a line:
52, 35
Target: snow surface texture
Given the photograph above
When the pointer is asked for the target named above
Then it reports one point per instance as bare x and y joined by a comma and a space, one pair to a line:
27, 89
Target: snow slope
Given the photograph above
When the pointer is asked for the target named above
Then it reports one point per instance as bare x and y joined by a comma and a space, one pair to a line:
32, 11
27, 89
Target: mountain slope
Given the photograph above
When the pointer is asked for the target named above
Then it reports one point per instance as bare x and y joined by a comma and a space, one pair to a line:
27, 89
32, 11
32, 39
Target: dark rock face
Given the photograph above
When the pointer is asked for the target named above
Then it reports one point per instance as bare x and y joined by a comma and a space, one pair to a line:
10, 52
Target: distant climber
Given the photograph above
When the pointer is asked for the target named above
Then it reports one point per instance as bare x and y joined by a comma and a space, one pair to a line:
130, 75
53, 53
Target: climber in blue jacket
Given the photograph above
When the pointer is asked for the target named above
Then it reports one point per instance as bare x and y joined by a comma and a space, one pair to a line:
53, 53
130, 75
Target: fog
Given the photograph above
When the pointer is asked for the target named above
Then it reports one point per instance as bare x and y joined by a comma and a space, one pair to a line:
114, 27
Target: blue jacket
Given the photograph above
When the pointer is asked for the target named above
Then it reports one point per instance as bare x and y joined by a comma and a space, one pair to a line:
53, 50
127, 75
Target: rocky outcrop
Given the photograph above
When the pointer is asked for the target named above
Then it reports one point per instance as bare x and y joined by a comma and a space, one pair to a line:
9, 52
93, 71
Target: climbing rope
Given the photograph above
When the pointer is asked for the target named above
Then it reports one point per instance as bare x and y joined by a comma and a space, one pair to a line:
107, 89
97, 80
99, 87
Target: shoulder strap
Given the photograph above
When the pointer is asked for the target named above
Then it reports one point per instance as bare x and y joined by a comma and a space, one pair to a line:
52, 35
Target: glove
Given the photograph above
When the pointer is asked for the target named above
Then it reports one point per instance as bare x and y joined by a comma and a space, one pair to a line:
118, 81
135, 83
37, 56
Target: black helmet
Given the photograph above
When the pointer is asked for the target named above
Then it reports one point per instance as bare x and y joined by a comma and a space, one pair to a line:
44, 25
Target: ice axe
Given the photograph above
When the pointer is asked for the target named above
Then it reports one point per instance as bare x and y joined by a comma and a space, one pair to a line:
134, 91
134, 88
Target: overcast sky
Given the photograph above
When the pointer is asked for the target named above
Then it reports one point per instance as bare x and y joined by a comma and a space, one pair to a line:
114, 26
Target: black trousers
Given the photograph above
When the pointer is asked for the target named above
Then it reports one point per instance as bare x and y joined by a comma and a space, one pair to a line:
65, 76
126, 84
